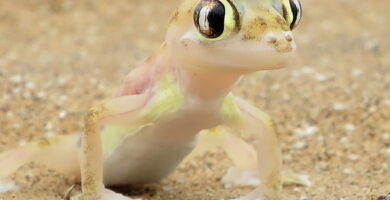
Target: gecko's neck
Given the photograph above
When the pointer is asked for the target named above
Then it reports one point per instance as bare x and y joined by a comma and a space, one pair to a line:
206, 86
202, 85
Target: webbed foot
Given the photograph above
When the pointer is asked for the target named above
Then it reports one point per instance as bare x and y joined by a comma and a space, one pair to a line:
296, 179
241, 177
105, 195
250, 177
260, 194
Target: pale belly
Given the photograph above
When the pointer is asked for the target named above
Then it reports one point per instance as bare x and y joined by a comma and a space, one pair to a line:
156, 151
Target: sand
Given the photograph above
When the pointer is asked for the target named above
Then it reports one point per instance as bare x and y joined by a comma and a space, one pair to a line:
332, 105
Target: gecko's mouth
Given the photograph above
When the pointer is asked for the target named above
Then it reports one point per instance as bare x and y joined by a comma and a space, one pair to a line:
273, 51
255, 57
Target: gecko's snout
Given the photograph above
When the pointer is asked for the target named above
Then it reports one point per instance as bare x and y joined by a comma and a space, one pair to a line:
275, 37
282, 42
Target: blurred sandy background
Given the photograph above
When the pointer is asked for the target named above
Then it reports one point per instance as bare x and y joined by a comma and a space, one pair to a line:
332, 106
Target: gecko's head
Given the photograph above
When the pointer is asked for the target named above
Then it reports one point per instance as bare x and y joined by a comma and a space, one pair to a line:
234, 35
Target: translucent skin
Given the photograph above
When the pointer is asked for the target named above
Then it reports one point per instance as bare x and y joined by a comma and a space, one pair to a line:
246, 50
181, 91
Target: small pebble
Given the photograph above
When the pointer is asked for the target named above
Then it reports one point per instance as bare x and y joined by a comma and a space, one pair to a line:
306, 130
353, 157
49, 126
62, 114
356, 72
16, 78
386, 136
30, 85
321, 77
41, 95
49, 134
300, 145
349, 128
371, 45
348, 171
8, 186
307, 70
340, 107
296, 189
344, 140
303, 197
387, 101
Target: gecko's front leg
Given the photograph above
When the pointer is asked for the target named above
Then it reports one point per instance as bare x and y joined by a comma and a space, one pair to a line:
268, 152
261, 169
269, 163
119, 110
260, 166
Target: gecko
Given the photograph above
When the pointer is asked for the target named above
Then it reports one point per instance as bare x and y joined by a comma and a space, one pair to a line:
178, 103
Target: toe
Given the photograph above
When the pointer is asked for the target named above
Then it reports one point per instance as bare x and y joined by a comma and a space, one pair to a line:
241, 177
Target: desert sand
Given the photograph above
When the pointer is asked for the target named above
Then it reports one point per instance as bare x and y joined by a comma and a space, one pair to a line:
331, 105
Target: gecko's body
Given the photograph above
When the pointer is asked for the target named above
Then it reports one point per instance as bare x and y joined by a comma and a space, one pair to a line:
155, 147
180, 99
173, 120
163, 145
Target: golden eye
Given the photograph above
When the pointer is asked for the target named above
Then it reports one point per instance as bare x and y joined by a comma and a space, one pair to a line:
215, 19
296, 11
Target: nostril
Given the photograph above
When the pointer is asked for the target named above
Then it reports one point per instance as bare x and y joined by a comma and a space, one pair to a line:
288, 36
275, 38
270, 38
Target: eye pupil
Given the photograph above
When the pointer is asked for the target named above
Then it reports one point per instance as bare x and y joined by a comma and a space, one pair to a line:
209, 18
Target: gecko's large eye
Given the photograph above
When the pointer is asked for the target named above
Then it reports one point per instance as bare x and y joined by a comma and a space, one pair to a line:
216, 19
292, 12
296, 10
